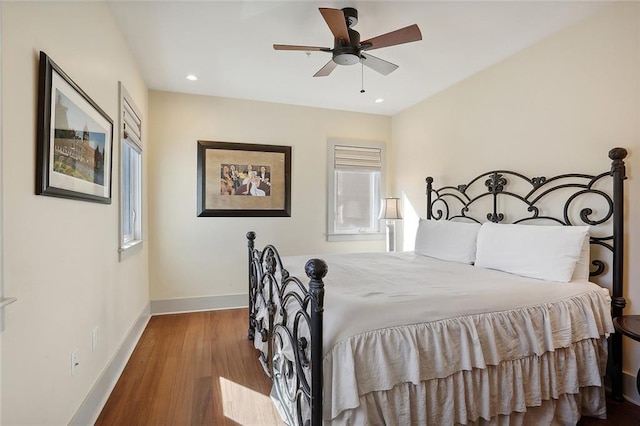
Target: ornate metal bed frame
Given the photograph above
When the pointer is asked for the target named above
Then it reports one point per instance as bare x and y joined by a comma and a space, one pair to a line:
291, 335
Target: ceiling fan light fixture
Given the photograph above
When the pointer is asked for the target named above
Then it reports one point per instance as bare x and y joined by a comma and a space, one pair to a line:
346, 59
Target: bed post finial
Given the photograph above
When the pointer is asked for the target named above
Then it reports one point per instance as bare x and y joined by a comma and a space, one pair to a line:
251, 236
618, 153
316, 269
429, 181
618, 172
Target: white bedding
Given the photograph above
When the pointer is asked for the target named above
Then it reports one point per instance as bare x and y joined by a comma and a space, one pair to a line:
401, 318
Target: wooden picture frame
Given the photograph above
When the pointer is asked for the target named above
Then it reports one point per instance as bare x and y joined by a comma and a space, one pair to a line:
238, 179
74, 140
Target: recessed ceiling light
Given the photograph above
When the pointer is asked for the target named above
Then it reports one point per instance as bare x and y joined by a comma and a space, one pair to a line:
379, 101
192, 77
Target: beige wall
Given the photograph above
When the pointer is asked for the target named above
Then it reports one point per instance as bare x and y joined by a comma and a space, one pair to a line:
556, 107
194, 256
61, 256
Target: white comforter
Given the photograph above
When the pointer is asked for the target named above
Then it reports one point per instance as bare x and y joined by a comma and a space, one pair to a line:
392, 319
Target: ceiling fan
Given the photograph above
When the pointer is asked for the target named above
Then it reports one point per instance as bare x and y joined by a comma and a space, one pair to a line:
347, 47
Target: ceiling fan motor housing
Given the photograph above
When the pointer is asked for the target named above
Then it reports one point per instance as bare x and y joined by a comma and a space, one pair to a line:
347, 53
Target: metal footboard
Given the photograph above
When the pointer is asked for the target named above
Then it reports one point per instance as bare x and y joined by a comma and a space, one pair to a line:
286, 317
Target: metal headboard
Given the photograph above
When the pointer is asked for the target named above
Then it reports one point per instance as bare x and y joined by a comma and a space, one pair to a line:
459, 202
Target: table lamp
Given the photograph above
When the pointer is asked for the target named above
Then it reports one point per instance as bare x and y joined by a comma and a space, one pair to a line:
390, 211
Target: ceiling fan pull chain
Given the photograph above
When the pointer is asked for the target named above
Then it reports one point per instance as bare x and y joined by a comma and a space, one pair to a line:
362, 75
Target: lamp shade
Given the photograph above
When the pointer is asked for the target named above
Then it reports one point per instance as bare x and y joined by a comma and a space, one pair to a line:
390, 209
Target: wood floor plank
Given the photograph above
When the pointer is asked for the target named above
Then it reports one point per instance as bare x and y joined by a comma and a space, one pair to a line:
200, 369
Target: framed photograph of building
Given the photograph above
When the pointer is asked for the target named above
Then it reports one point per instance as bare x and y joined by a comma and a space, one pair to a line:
74, 139
238, 179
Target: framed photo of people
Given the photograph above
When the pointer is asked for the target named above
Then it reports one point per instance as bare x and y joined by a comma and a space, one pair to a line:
239, 179
74, 139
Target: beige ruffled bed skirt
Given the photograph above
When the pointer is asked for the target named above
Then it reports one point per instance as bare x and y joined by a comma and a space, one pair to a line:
556, 388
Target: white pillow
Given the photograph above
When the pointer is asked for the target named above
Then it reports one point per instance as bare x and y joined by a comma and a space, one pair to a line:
535, 251
447, 240
583, 266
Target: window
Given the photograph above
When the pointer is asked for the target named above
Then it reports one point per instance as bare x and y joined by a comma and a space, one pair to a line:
130, 172
355, 179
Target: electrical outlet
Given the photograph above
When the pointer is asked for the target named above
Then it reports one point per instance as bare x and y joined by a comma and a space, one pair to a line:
94, 339
74, 362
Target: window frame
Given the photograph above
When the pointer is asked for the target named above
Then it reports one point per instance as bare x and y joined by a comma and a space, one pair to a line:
135, 146
331, 191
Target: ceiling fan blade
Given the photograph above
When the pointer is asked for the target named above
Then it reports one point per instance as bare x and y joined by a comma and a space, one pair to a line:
403, 35
303, 48
337, 23
326, 70
377, 64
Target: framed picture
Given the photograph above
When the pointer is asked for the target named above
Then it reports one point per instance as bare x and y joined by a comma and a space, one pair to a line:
74, 140
238, 179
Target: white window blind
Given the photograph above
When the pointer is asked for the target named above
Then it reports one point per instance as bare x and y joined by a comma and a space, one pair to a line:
131, 123
357, 158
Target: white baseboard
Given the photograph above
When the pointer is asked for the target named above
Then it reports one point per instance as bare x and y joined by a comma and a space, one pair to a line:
629, 389
195, 304
93, 403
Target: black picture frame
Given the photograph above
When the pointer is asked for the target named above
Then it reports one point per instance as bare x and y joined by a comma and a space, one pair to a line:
243, 180
74, 153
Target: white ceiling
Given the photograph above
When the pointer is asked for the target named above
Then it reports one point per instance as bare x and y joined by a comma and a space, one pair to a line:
228, 45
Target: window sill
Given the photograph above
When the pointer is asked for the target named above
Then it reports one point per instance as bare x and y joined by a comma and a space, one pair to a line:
129, 245
356, 237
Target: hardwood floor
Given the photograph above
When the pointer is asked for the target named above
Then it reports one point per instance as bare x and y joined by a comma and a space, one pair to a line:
197, 368
200, 369
618, 414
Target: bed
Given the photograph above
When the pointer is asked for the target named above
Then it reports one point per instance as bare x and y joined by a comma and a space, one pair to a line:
440, 335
